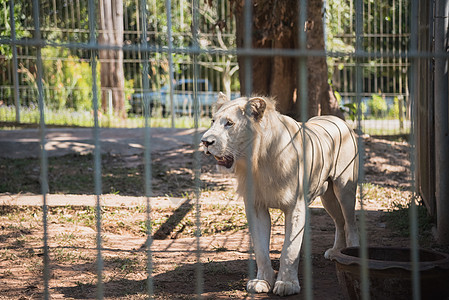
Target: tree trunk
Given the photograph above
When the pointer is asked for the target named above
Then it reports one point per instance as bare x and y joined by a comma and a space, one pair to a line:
111, 72
275, 26
320, 92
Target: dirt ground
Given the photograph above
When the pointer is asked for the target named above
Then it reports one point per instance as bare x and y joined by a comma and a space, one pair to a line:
222, 251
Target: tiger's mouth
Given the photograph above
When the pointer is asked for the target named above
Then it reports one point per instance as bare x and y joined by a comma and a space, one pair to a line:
225, 161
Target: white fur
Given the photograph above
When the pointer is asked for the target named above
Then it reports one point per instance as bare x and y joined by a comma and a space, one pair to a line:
270, 159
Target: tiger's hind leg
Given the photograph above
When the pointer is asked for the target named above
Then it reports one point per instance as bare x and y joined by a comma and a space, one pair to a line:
333, 208
345, 190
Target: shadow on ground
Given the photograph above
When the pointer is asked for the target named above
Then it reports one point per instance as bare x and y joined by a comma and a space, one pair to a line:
172, 174
219, 278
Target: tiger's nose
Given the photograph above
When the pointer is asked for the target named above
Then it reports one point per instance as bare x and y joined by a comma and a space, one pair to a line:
207, 142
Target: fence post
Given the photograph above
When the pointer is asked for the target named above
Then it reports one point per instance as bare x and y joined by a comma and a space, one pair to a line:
401, 112
110, 106
14, 60
43, 153
441, 120
170, 61
147, 153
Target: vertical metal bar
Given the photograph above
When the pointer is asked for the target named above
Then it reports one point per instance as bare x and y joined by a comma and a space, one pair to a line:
78, 14
414, 243
170, 60
381, 36
399, 32
72, 15
250, 193
395, 38
196, 158
304, 114
138, 56
15, 73
147, 153
55, 10
43, 153
97, 150
374, 40
66, 17
358, 87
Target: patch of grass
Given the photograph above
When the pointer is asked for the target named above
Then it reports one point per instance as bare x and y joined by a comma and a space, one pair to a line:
74, 174
399, 220
69, 174
28, 253
67, 239
213, 221
215, 268
63, 255
386, 131
19, 223
19, 175
7, 273
73, 215
19, 242
401, 137
69, 117
7, 254
124, 265
217, 248
385, 195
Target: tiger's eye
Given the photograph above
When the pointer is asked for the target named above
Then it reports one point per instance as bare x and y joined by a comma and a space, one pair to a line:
229, 123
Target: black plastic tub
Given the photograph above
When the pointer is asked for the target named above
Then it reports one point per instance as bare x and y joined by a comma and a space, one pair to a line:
390, 273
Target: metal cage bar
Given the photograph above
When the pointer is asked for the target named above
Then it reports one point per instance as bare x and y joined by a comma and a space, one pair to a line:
304, 109
147, 152
43, 153
97, 150
361, 150
170, 60
250, 193
413, 218
199, 271
15, 72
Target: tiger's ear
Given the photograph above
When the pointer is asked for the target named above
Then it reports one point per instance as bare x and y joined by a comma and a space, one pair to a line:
222, 99
255, 107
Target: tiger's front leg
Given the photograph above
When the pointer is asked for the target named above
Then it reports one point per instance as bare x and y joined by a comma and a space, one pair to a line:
287, 282
260, 228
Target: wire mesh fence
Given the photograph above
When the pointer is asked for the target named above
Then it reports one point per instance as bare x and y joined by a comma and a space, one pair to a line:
67, 23
146, 64
385, 92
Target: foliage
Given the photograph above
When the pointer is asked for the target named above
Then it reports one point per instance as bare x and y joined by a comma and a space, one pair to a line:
210, 35
395, 112
338, 22
19, 17
67, 81
378, 106
351, 110
385, 25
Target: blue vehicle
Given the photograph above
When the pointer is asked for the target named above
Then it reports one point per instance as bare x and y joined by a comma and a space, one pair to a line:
182, 98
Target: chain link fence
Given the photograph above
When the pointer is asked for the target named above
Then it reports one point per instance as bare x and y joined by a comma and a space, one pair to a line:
59, 60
